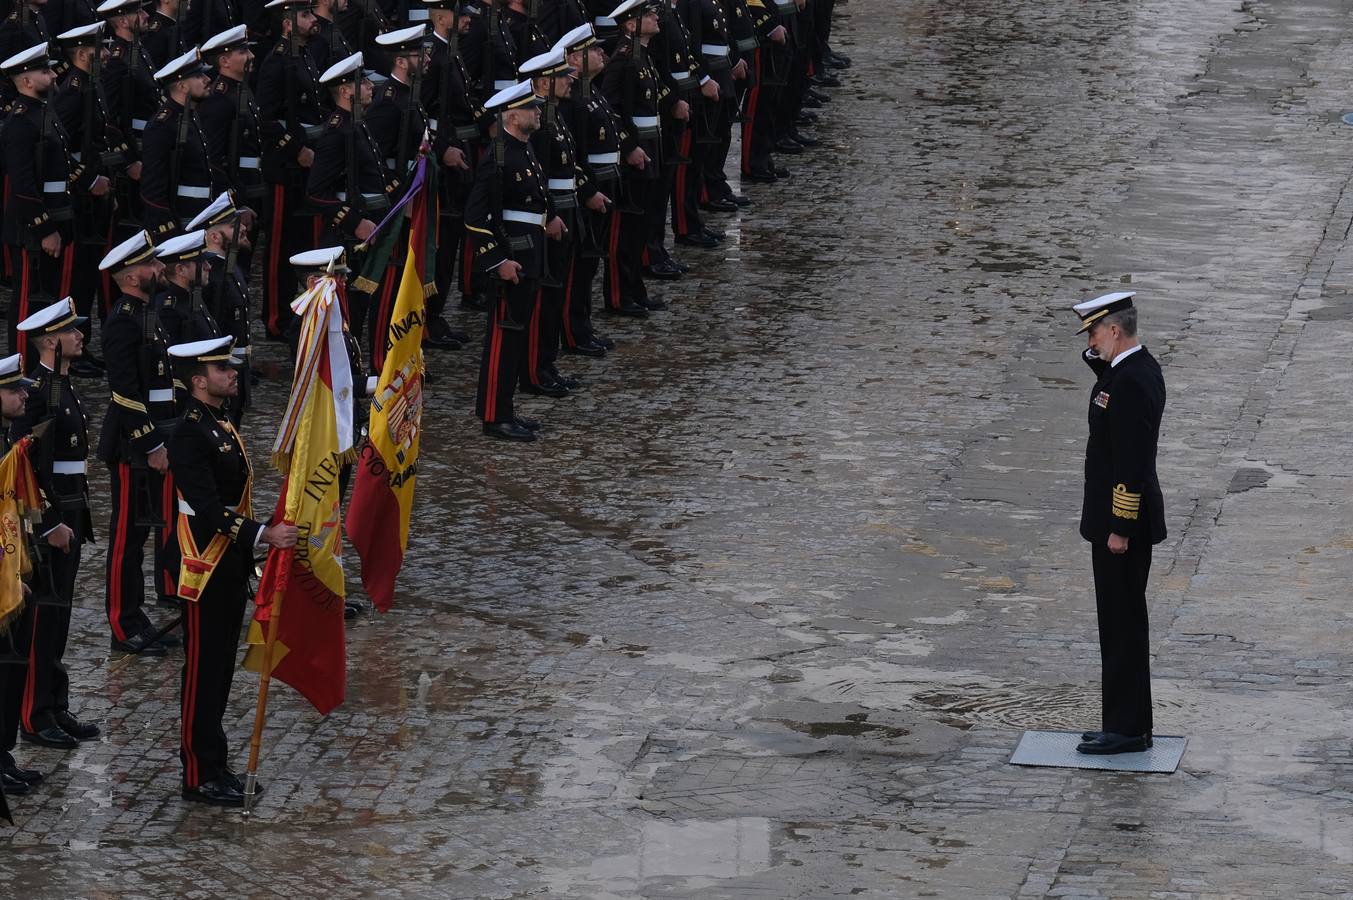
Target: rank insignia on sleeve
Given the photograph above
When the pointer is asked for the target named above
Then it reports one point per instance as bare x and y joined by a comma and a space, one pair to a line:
1102, 400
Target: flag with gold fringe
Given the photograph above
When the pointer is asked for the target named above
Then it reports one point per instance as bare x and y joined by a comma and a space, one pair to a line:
382, 496
303, 587
20, 498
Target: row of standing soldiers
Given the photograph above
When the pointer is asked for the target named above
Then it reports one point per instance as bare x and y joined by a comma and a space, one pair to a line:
149, 155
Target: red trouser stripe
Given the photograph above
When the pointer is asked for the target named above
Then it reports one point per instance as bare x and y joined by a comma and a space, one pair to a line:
30, 685
67, 264
613, 262
749, 120
495, 354
168, 510
191, 660
118, 551
272, 303
24, 286
679, 187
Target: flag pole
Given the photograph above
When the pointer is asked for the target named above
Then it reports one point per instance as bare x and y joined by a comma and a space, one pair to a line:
265, 678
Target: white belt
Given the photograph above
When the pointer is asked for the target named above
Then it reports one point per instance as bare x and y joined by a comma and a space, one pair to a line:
645, 121
185, 508
139, 124
391, 162
713, 50
54, 187
605, 22
418, 15
68, 467
161, 395
604, 159
523, 217
197, 193
561, 184
432, 123
503, 84
248, 162
75, 155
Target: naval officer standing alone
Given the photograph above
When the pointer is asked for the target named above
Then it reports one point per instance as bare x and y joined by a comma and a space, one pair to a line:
1123, 514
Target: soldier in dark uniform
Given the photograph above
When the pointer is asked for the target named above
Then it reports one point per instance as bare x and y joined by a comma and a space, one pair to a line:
679, 79
291, 120
177, 182
347, 183
490, 51
14, 780
597, 134
215, 481
132, 444
97, 144
550, 77
55, 333
760, 109
129, 87
180, 303
25, 26
708, 131
632, 88
39, 180
397, 124
161, 38
453, 118
229, 117
204, 18
225, 236
507, 216
63, 15
1123, 514
526, 36
328, 45
725, 24
559, 17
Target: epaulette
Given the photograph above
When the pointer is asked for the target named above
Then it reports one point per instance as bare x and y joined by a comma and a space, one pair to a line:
335, 119
281, 47
168, 302
220, 87
74, 80
193, 415
155, 24
164, 113
127, 308
117, 50
19, 105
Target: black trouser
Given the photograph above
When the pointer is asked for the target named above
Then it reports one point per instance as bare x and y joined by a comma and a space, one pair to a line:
655, 220
14, 676
126, 586
504, 349
1124, 639
714, 157
623, 279
450, 241
759, 115
211, 635
288, 234
547, 319
688, 181
577, 316
47, 686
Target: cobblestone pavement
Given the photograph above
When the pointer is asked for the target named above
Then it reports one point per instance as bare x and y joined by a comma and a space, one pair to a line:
766, 612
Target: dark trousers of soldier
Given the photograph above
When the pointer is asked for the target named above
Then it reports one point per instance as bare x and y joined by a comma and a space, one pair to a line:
687, 182
47, 686
791, 98
715, 156
288, 234
125, 594
1124, 640
85, 284
582, 272
13, 676
211, 634
655, 247
39, 280
504, 349
758, 116
547, 316
623, 278
450, 241
822, 28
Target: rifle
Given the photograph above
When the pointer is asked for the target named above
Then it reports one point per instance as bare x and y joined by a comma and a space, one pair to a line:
144, 511
591, 245
293, 84
547, 278
490, 44
176, 161
405, 116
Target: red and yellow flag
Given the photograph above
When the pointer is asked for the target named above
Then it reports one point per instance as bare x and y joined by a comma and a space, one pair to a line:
382, 494
303, 587
19, 498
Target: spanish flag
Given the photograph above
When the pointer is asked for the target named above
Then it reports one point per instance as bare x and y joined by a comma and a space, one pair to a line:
20, 497
303, 587
382, 493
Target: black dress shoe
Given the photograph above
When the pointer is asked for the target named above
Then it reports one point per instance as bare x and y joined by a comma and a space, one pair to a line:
800, 137
14, 787
545, 389
840, 60
715, 233
219, 792
1096, 735
633, 310
741, 199
723, 206
455, 334
1108, 744
665, 270
81, 731
681, 266
140, 644
785, 145
528, 424
567, 381
820, 97
9, 767
811, 102
352, 608
51, 736
825, 79
586, 349
756, 177
781, 172
652, 304
806, 118
166, 640
697, 239
237, 781
603, 341
508, 431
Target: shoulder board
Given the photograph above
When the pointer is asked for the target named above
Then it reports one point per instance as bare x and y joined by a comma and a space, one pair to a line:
117, 50
18, 106
335, 119
281, 47
76, 79
164, 114
38, 381
222, 86
155, 24
193, 415
168, 302
126, 307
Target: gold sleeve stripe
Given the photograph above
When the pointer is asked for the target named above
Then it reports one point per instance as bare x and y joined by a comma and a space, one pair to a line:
129, 403
477, 230
1126, 504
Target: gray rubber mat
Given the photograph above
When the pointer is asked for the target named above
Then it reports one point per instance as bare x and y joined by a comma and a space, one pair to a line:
1057, 749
